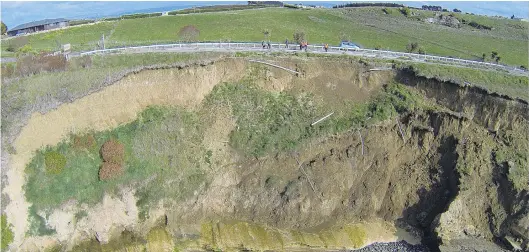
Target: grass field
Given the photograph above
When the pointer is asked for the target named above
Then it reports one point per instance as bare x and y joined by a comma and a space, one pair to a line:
369, 27
501, 83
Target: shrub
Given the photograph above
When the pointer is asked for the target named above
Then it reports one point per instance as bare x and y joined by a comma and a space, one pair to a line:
25, 50
4, 30
16, 43
54, 161
412, 47
479, 26
113, 151
8, 70
405, 11
110, 170
387, 10
81, 62
84, 142
34, 64
299, 36
7, 233
11, 48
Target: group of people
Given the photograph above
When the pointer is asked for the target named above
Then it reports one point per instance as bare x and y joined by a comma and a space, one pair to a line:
267, 45
302, 45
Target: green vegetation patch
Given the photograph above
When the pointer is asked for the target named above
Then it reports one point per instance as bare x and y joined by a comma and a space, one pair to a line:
22, 96
160, 154
513, 155
7, 233
275, 122
266, 121
162, 149
369, 26
502, 83
54, 161
241, 235
37, 224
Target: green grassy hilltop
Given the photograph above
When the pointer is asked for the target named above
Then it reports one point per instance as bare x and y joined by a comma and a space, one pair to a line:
369, 27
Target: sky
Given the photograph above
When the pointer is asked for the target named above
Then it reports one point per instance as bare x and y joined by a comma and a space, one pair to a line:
14, 13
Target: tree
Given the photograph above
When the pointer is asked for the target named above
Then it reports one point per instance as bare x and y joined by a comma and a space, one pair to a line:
484, 57
405, 11
4, 28
421, 50
456, 10
512, 17
299, 36
498, 58
412, 47
188, 33
493, 54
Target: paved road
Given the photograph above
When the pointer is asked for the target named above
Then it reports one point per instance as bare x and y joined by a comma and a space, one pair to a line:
7, 60
256, 47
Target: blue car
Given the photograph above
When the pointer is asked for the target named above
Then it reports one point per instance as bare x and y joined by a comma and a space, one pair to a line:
349, 44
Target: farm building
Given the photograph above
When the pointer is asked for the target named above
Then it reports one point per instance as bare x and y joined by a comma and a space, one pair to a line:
36, 26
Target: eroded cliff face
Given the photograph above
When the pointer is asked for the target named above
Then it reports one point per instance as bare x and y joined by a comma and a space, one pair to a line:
432, 172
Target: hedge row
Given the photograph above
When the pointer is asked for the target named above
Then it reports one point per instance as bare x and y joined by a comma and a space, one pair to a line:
215, 9
133, 16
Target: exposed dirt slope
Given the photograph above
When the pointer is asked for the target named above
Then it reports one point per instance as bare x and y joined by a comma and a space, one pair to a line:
115, 105
440, 179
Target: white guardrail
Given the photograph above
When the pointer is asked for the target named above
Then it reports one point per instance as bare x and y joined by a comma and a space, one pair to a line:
258, 46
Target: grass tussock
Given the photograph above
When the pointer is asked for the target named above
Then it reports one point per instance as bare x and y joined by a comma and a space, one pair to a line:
55, 162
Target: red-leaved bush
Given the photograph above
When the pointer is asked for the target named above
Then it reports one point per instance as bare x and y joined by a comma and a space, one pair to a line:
113, 154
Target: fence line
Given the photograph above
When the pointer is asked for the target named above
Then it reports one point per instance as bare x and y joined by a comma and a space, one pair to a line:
259, 46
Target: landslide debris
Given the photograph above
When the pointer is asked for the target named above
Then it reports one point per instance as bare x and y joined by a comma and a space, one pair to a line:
241, 167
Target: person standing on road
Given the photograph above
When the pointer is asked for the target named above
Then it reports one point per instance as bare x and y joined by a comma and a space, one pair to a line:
326, 47
286, 43
262, 43
269, 47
